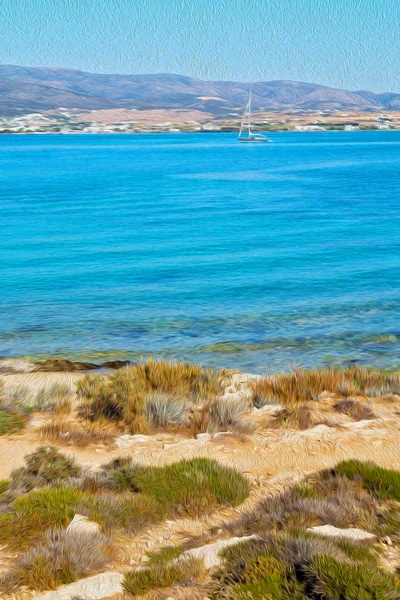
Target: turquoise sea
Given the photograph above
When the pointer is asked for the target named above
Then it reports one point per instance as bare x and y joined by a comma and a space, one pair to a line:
194, 246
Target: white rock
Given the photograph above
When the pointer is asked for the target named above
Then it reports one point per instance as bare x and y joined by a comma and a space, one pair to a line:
350, 533
210, 552
222, 434
91, 588
139, 438
81, 523
124, 441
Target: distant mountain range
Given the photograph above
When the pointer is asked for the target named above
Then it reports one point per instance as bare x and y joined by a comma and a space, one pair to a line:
39, 89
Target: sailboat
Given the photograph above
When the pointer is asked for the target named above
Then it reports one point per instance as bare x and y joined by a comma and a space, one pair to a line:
246, 126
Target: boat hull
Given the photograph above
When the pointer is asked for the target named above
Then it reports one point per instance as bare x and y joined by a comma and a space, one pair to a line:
252, 140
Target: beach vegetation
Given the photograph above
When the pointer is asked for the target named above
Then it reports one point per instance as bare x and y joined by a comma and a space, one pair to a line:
11, 420
45, 466
303, 385
326, 577
153, 393
63, 430
298, 417
53, 397
291, 563
383, 483
164, 555
227, 415
121, 496
181, 483
162, 575
61, 557
354, 409
166, 411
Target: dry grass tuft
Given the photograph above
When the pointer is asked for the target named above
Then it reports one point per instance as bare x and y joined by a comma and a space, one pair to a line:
225, 414
155, 394
164, 411
61, 557
82, 433
354, 409
307, 385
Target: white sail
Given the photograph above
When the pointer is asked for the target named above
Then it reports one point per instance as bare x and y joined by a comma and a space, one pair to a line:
246, 124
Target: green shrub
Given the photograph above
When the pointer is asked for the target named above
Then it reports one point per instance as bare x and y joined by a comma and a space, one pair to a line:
278, 565
30, 515
251, 570
131, 514
52, 505
160, 576
4, 485
10, 421
168, 483
333, 580
274, 586
382, 483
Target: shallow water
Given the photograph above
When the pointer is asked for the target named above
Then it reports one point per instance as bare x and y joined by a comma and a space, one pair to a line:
195, 246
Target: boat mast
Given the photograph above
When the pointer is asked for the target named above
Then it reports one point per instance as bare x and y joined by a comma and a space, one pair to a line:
249, 116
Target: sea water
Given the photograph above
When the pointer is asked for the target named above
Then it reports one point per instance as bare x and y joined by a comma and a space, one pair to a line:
193, 246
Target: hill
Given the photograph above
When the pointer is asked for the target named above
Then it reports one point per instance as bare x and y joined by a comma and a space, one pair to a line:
40, 89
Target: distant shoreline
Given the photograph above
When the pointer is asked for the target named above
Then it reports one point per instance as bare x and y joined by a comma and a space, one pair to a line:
140, 133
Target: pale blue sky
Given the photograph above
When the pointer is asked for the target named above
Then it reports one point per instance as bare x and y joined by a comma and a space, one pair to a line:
344, 43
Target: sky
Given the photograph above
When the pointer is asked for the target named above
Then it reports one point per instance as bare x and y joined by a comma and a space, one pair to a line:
353, 44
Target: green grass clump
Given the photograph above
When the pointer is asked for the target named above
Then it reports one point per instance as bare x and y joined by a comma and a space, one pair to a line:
300, 565
164, 555
130, 514
4, 485
10, 421
30, 515
251, 569
160, 576
288, 561
276, 584
185, 482
54, 505
382, 483
330, 579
